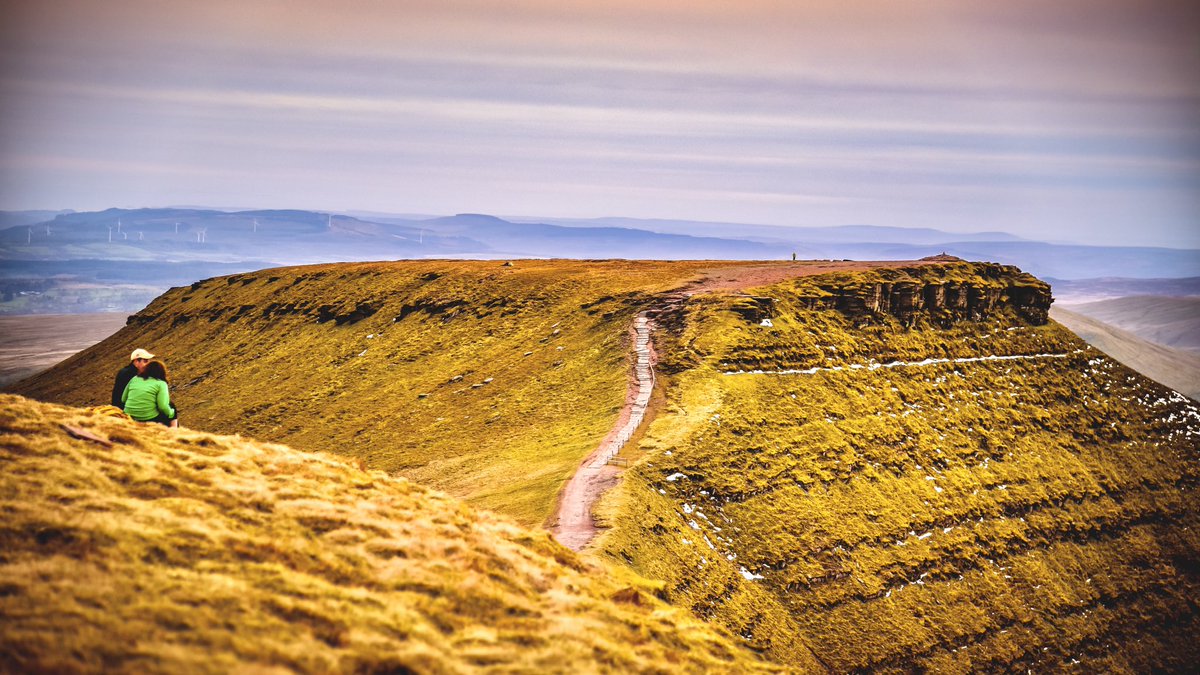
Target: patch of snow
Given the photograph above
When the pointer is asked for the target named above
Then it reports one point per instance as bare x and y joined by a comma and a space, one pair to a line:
750, 576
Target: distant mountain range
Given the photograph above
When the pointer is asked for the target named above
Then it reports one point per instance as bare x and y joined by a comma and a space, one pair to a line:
1076, 291
231, 241
781, 233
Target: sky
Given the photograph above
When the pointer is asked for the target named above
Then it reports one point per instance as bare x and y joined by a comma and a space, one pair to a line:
1061, 120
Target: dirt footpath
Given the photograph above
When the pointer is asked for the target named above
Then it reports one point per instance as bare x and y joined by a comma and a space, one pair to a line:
572, 522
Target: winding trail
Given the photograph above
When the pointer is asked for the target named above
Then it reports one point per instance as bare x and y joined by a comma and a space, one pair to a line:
573, 525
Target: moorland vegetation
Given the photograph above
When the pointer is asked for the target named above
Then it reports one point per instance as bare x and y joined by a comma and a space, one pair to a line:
896, 468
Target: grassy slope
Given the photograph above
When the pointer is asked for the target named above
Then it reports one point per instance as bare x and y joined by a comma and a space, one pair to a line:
983, 516
1167, 320
189, 552
248, 355
1172, 367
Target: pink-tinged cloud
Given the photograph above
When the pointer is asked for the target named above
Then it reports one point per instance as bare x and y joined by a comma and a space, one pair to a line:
1071, 119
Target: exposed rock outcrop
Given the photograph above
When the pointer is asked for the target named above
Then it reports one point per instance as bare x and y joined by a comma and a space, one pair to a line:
944, 301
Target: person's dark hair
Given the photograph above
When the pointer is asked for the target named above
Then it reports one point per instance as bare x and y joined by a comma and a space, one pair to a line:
156, 370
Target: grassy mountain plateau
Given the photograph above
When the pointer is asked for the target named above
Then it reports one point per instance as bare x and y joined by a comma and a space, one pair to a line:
844, 467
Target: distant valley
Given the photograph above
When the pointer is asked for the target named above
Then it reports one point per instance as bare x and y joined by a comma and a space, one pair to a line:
1175, 367
1170, 321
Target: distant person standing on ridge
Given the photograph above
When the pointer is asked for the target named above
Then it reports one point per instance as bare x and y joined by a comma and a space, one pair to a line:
147, 399
137, 363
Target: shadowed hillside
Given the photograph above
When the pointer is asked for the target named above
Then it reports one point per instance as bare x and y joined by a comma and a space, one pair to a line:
909, 488
147, 551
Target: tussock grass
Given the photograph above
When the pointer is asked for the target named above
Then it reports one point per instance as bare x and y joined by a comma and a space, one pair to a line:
190, 552
979, 516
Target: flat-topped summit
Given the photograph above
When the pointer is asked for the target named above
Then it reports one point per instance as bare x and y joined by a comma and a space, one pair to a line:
942, 257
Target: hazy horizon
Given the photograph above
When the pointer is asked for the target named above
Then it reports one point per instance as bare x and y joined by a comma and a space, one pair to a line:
1072, 122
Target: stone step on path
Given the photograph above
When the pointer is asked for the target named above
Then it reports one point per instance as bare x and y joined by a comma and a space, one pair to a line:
645, 381
574, 527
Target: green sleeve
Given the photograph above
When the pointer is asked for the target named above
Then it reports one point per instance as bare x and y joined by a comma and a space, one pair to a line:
125, 394
164, 401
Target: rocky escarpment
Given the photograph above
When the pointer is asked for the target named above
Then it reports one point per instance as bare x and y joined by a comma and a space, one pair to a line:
944, 294
911, 307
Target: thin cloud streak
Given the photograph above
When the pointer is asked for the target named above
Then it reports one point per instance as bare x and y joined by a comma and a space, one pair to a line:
593, 117
942, 113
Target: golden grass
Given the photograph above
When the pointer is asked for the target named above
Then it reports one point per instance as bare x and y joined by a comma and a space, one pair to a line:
186, 552
976, 516
489, 382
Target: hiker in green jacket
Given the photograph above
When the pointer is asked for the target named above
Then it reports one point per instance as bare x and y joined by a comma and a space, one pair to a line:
137, 363
147, 399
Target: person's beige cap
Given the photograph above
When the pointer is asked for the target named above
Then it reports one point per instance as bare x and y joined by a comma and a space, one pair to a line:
140, 354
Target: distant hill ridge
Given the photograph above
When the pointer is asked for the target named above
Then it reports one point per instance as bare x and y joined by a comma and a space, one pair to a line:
292, 236
1175, 368
1166, 320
